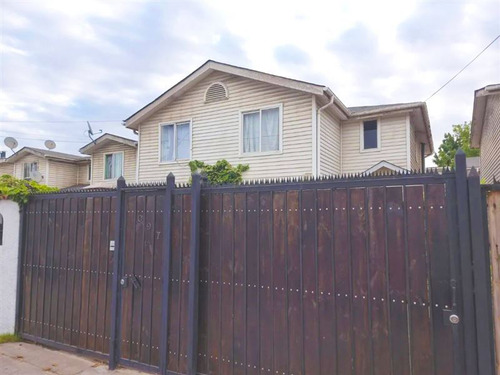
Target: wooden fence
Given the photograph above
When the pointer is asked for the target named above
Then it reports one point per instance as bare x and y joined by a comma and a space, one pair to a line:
362, 275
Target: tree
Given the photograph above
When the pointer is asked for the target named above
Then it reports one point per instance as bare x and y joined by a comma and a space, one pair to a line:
458, 138
222, 172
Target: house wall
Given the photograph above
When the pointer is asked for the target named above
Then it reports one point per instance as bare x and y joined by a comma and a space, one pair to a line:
83, 174
129, 162
393, 145
42, 166
216, 130
6, 168
9, 253
329, 143
61, 174
490, 141
415, 151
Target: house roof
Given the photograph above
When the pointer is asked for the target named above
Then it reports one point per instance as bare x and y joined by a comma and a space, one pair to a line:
211, 66
48, 154
480, 100
384, 164
105, 139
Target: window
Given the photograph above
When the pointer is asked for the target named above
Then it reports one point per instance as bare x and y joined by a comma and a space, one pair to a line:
30, 169
1, 230
261, 130
89, 177
175, 141
113, 166
370, 135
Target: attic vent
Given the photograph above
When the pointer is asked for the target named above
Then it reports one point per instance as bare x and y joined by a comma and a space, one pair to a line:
215, 92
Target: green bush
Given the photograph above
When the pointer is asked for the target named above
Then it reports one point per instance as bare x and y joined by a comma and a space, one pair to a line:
20, 190
222, 172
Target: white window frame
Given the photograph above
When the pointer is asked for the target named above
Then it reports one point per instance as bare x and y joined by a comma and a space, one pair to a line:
362, 136
280, 130
174, 123
30, 163
104, 165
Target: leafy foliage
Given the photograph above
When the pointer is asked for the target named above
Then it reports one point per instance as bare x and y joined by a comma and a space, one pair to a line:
222, 172
458, 138
20, 190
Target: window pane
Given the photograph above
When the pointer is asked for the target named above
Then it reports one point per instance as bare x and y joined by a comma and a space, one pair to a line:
117, 165
167, 143
370, 134
251, 132
26, 170
270, 129
108, 166
183, 141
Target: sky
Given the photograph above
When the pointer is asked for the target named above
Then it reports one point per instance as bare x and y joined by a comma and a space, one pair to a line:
65, 62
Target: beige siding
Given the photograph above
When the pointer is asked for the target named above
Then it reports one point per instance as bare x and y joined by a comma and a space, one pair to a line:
415, 151
129, 162
490, 141
83, 174
42, 165
6, 168
216, 130
329, 151
392, 145
62, 174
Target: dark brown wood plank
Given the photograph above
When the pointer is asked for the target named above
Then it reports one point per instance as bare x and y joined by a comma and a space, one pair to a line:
67, 279
28, 266
175, 290
184, 285
157, 280
203, 311
94, 277
295, 327
227, 265
77, 288
421, 342
265, 281
397, 281
326, 299
34, 324
378, 285
252, 273
279, 287
240, 214
42, 272
60, 268
138, 273
438, 245
49, 313
342, 259
86, 256
309, 283
128, 270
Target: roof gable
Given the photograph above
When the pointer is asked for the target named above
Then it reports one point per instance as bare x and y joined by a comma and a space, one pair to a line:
104, 140
48, 154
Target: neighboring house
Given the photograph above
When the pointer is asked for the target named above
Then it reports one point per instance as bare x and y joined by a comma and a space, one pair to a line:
279, 126
47, 167
485, 131
111, 156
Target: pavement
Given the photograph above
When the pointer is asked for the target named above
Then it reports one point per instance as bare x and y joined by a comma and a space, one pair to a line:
27, 359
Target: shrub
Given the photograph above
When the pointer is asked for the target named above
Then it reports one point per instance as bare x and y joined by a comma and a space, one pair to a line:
222, 172
20, 190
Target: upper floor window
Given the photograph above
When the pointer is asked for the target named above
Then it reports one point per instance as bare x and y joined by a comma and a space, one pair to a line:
113, 165
262, 130
370, 137
30, 169
175, 141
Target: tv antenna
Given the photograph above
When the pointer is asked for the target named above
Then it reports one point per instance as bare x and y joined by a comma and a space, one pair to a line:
91, 133
11, 143
50, 144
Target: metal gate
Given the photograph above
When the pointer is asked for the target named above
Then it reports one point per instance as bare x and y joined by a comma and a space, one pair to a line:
359, 275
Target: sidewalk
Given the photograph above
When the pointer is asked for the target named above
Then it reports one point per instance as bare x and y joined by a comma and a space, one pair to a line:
26, 359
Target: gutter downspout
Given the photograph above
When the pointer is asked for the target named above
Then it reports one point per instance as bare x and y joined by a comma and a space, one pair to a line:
318, 138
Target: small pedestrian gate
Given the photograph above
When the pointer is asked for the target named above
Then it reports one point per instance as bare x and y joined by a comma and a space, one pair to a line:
361, 275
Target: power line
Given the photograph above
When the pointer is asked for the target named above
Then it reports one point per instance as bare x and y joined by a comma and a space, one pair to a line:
56, 121
465, 67
44, 139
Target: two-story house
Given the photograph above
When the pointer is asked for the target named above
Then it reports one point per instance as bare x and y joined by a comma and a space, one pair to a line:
279, 126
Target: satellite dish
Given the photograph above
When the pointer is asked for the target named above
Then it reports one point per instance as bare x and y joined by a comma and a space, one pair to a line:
36, 176
11, 143
50, 144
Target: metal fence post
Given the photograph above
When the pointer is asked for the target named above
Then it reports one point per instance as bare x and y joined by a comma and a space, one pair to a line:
194, 261
482, 279
20, 259
114, 342
165, 271
469, 318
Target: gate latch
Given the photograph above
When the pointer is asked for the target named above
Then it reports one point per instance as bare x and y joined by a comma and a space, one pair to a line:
450, 317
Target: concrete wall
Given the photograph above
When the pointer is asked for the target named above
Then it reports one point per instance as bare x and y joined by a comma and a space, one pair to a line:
9, 251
